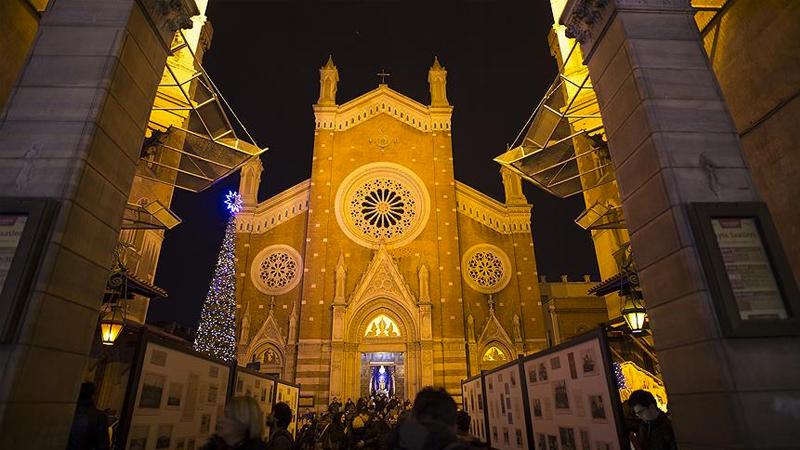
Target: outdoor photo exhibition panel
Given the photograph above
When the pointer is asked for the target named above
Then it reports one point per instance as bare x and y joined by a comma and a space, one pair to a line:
572, 399
179, 397
508, 428
288, 393
257, 385
472, 396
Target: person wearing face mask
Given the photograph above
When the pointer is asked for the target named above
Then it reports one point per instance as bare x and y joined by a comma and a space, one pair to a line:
655, 431
239, 428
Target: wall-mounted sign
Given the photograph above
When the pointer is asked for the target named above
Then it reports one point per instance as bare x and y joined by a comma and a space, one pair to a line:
749, 278
24, 229
11, 227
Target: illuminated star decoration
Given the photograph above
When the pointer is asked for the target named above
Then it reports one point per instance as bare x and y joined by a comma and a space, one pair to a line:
233, 201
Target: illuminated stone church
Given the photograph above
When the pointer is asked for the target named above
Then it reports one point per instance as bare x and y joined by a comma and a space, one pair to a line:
381, 271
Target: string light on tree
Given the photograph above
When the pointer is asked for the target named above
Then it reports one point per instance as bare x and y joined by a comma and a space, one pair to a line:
216, 335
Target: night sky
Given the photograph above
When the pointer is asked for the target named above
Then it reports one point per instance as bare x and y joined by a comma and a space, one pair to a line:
265, 57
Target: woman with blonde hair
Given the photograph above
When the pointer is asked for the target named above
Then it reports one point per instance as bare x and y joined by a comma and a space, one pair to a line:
240, 428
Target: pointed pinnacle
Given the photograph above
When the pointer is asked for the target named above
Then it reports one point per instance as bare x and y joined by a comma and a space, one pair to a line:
436, 65
329, 64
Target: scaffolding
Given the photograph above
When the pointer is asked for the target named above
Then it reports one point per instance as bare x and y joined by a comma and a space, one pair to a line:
561, 149
209, 148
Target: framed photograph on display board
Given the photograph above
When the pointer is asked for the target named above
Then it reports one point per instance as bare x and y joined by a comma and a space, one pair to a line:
749, 278
175, 397
289, 393
576, 404
472, 395
258, 385
508, 416
25, 224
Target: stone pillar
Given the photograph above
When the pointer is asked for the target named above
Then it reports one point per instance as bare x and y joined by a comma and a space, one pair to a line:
72, 131
672, 142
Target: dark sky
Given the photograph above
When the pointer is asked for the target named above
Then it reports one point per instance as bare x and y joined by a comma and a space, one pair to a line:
265, 57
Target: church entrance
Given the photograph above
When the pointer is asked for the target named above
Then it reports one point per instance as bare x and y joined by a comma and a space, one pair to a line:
382, 373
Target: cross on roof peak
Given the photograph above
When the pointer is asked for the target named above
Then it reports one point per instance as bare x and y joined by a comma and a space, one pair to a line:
383, 76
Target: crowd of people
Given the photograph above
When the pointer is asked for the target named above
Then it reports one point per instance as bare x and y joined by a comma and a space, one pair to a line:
432, 422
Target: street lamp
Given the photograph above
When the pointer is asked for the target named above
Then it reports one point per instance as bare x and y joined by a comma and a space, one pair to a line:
633, 311
111, 324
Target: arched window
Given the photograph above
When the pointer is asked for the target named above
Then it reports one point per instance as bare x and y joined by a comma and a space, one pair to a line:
382, 326
494, 354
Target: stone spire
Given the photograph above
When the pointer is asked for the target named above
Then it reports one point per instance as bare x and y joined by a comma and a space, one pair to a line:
250, 180
437, 81
328, 79
512, 185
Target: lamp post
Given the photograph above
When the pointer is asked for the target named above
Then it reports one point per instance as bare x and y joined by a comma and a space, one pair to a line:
633, 310
111, 324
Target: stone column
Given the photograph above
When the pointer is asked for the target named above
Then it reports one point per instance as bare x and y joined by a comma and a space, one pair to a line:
72, 131
672, 142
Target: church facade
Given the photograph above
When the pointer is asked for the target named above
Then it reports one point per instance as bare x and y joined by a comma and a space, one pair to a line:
381, 272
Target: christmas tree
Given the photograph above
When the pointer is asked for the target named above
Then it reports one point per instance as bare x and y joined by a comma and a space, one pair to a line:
216, 335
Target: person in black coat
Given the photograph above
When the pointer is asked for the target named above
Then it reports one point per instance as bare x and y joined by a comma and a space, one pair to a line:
90, 425
655, 432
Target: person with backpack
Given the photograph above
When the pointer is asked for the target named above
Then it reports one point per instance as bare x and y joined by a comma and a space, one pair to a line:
280, 438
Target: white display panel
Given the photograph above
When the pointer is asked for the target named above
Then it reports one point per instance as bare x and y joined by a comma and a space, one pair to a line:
570, 400
179, 398
472, 398
506, 408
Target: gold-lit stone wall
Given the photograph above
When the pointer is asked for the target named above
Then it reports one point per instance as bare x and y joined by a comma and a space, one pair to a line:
753, 48
321, 352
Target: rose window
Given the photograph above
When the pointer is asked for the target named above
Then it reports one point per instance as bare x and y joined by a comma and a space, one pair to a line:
486, 268
276, 269
383, 209
382, 203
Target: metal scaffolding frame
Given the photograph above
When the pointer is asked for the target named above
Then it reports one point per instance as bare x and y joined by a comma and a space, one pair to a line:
208, 148
548, 155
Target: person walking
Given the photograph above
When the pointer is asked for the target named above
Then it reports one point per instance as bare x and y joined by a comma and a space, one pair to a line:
280, 438
239, 428
90, 425
655, 430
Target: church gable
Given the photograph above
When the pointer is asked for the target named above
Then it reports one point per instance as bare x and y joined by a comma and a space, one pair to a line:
382, 278
275, 211
383, 100
499, 217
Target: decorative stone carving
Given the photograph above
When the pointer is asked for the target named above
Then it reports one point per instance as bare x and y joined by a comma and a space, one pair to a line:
517, 331
424, 284
169, 16
584, 15
245, 327
470, 329
486, 268
383, 140
341, 273
276, 269
382, 203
